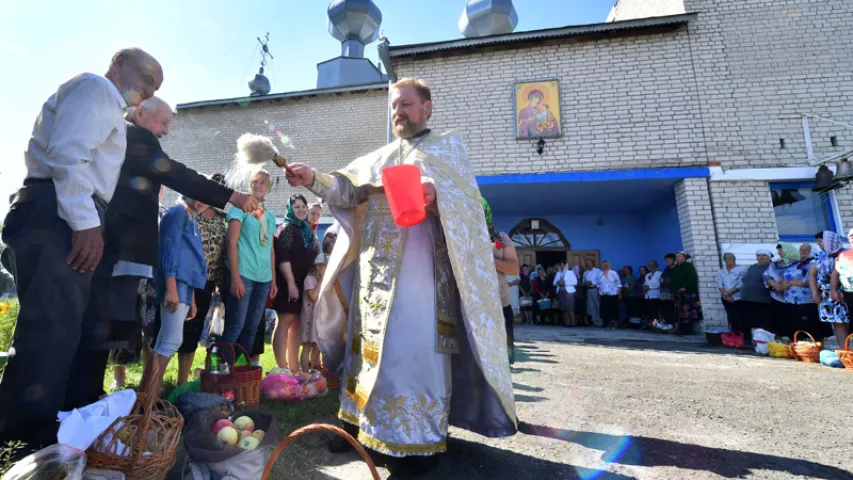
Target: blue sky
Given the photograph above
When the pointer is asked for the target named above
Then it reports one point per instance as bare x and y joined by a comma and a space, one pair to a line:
208, 49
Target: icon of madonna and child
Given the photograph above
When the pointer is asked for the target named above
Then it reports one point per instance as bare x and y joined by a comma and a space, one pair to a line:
537, 107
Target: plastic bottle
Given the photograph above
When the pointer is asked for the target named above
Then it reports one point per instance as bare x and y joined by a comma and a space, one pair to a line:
215, 361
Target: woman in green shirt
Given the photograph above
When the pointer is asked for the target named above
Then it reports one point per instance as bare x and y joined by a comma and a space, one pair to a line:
684, 285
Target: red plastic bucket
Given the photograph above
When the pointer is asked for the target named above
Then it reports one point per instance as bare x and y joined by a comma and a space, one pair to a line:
405, 194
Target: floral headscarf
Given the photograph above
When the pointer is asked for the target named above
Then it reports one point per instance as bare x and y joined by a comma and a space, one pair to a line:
790, 253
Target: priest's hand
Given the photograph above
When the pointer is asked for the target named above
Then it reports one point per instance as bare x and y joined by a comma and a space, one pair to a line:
429, 197
300, 175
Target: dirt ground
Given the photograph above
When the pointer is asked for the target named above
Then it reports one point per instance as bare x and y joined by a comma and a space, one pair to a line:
594, 404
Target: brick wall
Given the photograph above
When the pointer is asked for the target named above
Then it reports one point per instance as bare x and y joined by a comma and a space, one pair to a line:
758, 60
630, 9
761, 59
743, 211
698, 238
328, 131
626, 102
844, 198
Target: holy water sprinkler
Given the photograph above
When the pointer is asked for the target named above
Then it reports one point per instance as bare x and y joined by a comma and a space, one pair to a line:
256, 150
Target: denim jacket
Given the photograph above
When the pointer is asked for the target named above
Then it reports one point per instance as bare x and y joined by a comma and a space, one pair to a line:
181, 254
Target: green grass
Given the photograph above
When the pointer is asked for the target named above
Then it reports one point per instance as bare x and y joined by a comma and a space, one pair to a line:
297, 459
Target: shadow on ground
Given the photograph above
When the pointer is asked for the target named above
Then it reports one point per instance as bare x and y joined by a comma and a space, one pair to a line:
654, 452
470, 460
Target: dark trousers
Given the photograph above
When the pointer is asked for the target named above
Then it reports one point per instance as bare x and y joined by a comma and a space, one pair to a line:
609, 309
53, 298
734, 313
509, 322
193, 328
755, 315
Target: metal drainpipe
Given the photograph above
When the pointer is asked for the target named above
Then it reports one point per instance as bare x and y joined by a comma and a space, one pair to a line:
714, 222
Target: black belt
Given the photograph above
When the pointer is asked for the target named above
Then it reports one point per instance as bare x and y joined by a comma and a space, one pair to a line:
37, 181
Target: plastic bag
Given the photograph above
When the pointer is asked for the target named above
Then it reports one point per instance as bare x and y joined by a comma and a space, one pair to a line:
830, 359
761, 338
59, 462
193, 386
217, 321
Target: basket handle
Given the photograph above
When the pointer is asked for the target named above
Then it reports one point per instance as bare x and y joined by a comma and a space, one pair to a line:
807, 333
142, 430
319, 427
847, 342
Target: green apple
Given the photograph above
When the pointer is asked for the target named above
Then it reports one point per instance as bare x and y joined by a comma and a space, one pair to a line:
249, 443
228, 435
259, 434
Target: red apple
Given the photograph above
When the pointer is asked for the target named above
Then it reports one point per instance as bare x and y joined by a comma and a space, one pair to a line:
220, 424
244, 434
229, 395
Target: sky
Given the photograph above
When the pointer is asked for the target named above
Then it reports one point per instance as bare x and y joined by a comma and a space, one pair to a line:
208, 49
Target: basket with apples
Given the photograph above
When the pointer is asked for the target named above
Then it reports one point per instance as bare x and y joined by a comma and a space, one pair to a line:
240, 443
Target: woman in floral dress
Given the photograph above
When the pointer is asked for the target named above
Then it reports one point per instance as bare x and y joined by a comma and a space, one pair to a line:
831, 307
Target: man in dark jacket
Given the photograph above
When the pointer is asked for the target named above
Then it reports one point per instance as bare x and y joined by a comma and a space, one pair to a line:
131, 244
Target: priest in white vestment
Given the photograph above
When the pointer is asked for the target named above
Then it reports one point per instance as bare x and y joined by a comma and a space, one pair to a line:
410, 318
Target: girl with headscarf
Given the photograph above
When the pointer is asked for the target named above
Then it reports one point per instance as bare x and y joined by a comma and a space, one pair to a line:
685, 287
802, 311
830, 305
506, 263
782, 311
250, 280
295, 251
629, 291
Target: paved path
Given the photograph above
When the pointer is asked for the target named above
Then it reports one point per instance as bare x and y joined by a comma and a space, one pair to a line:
622, 405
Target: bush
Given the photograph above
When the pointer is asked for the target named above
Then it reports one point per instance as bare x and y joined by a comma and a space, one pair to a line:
8, 315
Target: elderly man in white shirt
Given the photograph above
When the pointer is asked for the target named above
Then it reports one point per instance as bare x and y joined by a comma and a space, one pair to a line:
566, 281
54, 238
651, 289
590, 282
610, 293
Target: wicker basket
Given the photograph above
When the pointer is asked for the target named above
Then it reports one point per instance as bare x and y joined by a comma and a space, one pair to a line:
846, 354
243, 381
780, 350
153, 435
320, 427
806, 352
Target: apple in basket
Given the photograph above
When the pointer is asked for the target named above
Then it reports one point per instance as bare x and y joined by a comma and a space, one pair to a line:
259, 434
220, 424
244, 434
244, 423
249, 443
228, 435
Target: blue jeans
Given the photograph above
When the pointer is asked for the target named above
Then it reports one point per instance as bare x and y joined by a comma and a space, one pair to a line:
171, 333
243, 314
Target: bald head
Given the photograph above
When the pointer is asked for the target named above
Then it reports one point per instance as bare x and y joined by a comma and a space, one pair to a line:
136, 74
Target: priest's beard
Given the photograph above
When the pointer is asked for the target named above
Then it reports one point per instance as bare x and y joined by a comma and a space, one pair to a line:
404, 128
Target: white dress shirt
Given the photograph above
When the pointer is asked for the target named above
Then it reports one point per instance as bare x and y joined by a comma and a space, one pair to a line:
567, 276
609, 283
731, 279
79, 141
653, 282
592, 276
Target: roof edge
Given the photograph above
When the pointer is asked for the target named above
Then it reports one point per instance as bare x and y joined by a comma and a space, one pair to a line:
363, 87
569, 31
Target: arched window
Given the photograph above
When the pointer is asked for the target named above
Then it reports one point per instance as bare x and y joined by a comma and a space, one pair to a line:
538, 233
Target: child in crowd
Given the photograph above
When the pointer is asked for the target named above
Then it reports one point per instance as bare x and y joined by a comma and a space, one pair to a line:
315, 211
250, 278
310, 350
182, 269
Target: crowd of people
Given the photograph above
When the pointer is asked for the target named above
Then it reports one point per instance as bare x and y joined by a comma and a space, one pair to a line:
797, 290
103, 270
582, 295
